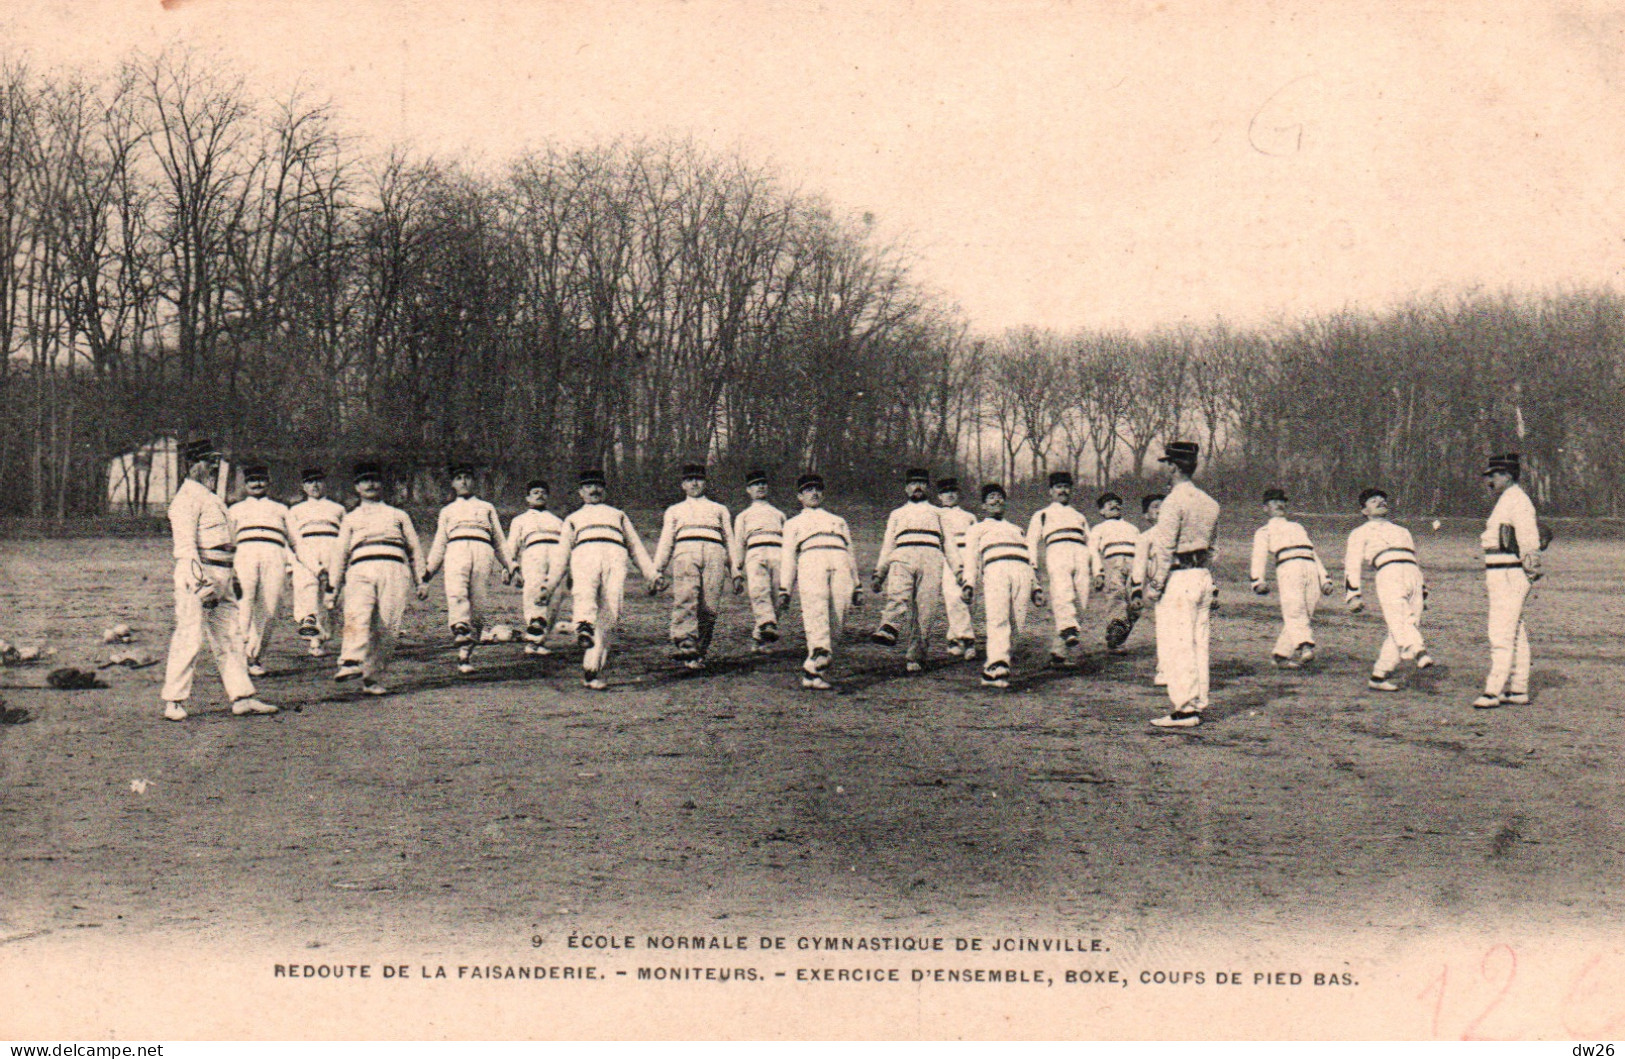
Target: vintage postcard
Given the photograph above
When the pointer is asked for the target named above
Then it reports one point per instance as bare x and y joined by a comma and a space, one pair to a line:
964, 519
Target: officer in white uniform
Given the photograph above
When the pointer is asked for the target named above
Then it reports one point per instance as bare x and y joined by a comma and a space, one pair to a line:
468, 541
696, 539
909, 570
1058, 538
598, 539
313, 523
1182, 545
1301, 575
259, 526
533, 549
205, 590
817, 557
1401, 591
1113, 540
758, 539
956, 522
380, 564
1145, 566
1512, 543
999, 563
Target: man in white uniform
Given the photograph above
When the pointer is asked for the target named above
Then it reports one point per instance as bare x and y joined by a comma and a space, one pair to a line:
817, 558
205, 590
696, 539
1113, 540
956, 522
758, 539
1301, 575
1182, 545
313, 524
598, 539
1401, 591
533, 548
380, 564
259, 527
1512, 543
909, 570
999, 561
1058, 538
468, 542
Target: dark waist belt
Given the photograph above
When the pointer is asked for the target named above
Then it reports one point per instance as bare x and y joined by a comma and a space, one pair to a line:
764, 544
307, 534
1118, 551
539, 540
224, 564
579, 541
1500, 562
1283, 560
469, 537
692, 537
823, 548
1193, 560
1066, 537
358, 560
1022, 559
275, 541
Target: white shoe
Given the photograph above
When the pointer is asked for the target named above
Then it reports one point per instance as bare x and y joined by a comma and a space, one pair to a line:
243, 707
372, 687
255, 669
1515, 698
815, 683
1306, 653
465, 668
593, 681
174, 711
995, 682
1424, 660
1486, 702
956, 649
1178, 720
317, 650
913, 667
346, 671
1381, 684
694, 663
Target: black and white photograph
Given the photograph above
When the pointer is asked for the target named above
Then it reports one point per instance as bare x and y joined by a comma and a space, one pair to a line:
959, 519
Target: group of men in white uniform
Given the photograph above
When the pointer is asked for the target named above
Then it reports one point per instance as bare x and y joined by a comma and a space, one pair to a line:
231, 564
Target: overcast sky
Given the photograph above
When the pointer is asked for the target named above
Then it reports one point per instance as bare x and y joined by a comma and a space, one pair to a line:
1056, 164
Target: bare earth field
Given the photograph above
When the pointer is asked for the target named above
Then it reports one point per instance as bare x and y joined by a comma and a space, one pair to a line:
470, 814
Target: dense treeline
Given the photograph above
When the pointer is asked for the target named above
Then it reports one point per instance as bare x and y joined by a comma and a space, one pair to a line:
178, 257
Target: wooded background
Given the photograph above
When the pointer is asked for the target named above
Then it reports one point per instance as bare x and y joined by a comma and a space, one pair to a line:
179, 256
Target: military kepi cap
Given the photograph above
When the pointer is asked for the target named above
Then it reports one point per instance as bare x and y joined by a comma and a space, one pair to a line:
948, 485
198, 450
991, 488
809, 481
1108, 498
1060, 478
1149, 499
368, 470
313, 474
256, 472
460, 469
1180, 453
538, 483
692, 471
919, 474
1367, 494
591, 477
1506, 463
756, 476
1274, 494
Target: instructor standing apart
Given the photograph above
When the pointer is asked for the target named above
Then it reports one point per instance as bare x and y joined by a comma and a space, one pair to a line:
205, 596
1182, 541
1511, 541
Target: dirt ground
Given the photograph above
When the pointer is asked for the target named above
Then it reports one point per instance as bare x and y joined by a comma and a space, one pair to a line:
516, 802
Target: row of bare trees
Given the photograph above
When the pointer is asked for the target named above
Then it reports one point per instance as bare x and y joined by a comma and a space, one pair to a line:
178, 257
1412, 398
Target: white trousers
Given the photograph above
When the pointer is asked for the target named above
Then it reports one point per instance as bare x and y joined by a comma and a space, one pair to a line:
375, 594
195, 623
961, 625
468, 582
761, 575
319, 554
1509, 641
261, 570
824, 581
1399, 593
1068, 567
913, 586
1007, 589
1298, 581
534, 564
699, 570
1183, 615
597, 589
